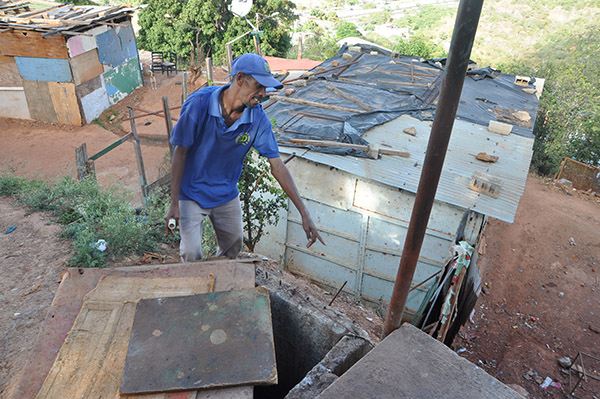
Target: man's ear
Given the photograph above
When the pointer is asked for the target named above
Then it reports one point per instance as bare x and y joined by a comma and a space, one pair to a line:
239, 78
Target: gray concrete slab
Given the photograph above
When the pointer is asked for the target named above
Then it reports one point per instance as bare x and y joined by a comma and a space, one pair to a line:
410, 364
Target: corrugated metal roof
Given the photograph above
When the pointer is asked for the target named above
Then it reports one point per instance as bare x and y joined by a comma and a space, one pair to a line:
467, 140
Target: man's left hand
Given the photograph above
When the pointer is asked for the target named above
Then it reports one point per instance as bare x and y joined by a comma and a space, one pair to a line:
312, 234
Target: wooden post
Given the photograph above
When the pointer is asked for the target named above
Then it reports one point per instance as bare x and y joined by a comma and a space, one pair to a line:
85, 167
184, 88
138, 156
229, 59
209, 71
168, 121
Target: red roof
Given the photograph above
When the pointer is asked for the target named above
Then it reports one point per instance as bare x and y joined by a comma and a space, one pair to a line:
285, 64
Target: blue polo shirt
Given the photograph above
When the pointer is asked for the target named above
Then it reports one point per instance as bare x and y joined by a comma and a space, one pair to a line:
216, 152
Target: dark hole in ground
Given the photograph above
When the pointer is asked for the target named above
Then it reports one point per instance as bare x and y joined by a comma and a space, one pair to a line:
302, 339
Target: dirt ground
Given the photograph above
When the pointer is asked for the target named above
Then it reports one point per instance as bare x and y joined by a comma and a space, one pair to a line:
542, 295
541, 291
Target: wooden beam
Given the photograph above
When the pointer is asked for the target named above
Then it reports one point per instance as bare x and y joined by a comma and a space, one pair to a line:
348, 97
327, 143
315, 104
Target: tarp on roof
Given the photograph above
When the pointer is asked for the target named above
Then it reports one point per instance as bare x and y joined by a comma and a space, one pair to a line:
380, 88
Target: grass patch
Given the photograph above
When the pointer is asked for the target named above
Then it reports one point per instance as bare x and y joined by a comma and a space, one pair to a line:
88, 213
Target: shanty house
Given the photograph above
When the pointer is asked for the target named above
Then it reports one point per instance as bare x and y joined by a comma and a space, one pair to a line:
362, 205
65, 63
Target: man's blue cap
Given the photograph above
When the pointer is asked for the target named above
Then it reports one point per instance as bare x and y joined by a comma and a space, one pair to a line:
256, 66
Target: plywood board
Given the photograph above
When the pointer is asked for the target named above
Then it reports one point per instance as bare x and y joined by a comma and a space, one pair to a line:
6, 58
89, 363
44, 69
65, 103
9, 74
32, 44
86, 66
13, 103
123, 80
39, 101
77, 282
90, 86
201, 341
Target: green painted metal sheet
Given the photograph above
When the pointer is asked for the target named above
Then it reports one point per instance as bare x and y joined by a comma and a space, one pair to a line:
123, 79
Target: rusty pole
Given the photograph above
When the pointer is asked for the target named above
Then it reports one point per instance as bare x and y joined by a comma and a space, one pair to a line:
463, 36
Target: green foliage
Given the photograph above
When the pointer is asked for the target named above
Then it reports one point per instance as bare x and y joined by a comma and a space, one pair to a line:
332, 16
89, 213
425, 17
317, 13
346, 29
168, 25
261, 198
377, 18
418, 47
568, 121
317, 47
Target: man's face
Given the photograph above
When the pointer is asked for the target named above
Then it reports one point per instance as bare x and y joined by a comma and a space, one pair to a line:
251, 91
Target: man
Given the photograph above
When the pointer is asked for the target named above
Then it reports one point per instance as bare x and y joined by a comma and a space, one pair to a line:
216, 128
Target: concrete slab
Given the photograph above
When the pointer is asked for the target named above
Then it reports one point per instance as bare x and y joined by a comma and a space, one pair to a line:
410, 364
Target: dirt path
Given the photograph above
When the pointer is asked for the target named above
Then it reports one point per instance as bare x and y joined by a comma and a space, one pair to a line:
542, 296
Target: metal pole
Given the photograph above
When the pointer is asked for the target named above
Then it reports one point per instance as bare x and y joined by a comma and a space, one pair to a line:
465, 27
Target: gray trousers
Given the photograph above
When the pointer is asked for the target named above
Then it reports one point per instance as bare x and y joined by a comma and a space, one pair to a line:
226, 220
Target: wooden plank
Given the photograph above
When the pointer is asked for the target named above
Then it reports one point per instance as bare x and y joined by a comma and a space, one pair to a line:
76, 283
65, 103
9, 75
346, 96
39, 101
86, 66
315, 104
326, 143
91, 361
32, 44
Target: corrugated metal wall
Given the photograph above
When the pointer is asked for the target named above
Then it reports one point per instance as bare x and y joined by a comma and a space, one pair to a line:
364, 224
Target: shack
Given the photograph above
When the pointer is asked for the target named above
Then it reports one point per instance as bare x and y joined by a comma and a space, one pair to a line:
365, 101
65, 63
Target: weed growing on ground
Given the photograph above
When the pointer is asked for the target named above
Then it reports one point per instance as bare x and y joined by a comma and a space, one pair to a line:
88, 214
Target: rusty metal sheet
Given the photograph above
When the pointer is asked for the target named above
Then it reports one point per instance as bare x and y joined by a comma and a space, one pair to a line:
201, 341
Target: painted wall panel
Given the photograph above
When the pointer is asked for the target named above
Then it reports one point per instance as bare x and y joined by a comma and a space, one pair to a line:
86, 66
94, 104
44, 69
91, 85
376, 289
81, 44
123, 80
39, 101
13, 103
32, 44
65, 103
9, 74
116, 46
302, 262
388, 235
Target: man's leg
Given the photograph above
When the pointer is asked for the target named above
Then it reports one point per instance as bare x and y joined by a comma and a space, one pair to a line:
227, 222
190, 228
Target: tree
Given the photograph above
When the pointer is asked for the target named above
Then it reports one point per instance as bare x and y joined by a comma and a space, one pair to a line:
418, 47
173, 25
346, 29
568, 120
261, 198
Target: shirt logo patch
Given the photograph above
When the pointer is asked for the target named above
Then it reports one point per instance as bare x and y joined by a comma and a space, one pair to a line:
243, 139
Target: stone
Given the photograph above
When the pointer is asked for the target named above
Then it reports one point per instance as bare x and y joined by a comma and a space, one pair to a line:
410, 130
565, 362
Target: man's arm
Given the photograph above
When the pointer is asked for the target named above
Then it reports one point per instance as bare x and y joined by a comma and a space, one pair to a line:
177, 167
282, 174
